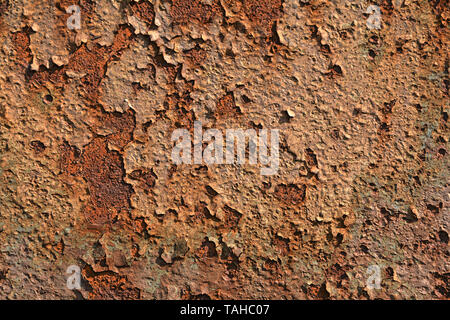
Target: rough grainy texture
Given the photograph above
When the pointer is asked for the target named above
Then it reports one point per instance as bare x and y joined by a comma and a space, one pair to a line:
86, 176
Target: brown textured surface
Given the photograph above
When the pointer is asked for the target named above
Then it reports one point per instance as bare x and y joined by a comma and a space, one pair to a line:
86, 178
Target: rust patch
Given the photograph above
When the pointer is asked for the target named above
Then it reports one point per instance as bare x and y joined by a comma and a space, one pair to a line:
103, 170
291, 194
317, 292
69, 159
184, 11
263, 12
231, 218
226, 107
311, 158
122, 40
121, 124
90, 63
195, 56
336, 218
146, 178
109, 286
144, 11
109, 195
21, 42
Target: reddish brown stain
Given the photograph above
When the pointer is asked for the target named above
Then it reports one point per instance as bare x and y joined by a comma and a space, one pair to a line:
310, 158
91, 63
69, 159
21, 42
184, 11
231, 218
100, 164
144, 11
103, 170
317, 292
195, 56
226, 107
291, 194
263, 12
109, 286
121, 124
145, 177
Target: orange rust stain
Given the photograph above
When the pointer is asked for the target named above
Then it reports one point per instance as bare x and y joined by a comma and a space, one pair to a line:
103, 170
262, 12
172, 72
69, 159
43, 77
122, 40
109, 195
317, 292
195, 56
146, 178
232, 218
144, 11
226, 107
109, 285
121, 125
21, 42
91, 63
291, 194
184, 11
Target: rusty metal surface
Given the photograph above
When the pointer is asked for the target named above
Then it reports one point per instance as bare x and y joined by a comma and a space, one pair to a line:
87, 180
